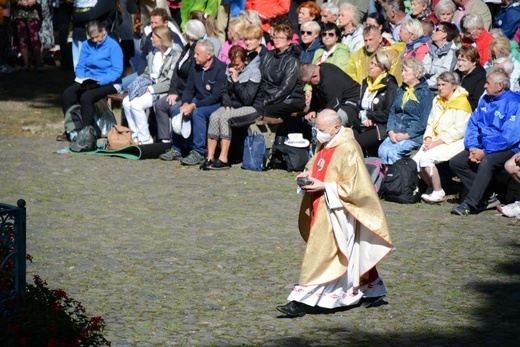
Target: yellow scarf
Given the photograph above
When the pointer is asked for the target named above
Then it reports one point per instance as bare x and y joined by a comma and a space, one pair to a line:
409, 95
460, 102
372, 86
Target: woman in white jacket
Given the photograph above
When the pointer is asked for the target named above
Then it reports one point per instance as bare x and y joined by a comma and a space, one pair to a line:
151, 85
444, 135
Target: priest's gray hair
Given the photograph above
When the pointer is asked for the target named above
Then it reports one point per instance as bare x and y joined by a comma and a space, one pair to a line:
330, 116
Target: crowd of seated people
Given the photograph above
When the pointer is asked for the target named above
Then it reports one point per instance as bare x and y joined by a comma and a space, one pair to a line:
414, 92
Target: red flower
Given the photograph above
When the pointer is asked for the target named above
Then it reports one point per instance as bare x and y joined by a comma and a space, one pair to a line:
60, 294
39, 282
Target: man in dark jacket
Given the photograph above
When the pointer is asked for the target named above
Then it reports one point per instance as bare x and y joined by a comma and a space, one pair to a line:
332, 89
201, 97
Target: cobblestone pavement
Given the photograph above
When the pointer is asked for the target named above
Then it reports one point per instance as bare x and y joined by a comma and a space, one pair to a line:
172, 256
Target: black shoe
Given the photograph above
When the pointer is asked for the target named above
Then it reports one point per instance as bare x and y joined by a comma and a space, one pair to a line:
372, 302
62, 137
219, 165
293, 309
206, 164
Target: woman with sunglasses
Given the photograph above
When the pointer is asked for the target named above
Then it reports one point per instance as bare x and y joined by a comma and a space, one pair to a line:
334, 51
310, 40
442, 52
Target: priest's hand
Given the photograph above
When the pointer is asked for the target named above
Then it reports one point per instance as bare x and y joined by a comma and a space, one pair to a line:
315, 187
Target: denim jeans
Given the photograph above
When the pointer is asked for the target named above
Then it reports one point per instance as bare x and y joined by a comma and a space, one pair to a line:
390, 152
127, 80
76, 51
199, 128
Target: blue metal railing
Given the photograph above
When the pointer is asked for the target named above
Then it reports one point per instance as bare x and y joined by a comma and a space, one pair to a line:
12, 255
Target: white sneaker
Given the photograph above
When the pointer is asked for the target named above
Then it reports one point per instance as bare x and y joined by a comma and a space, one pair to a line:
511, 210
435, 196
427, 193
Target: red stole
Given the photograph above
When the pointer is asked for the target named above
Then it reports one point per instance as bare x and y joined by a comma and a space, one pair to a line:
319, 171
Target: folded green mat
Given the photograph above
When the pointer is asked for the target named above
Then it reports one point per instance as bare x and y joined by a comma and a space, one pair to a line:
132, 152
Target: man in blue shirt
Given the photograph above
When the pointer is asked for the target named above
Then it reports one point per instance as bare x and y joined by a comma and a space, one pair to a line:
492, 137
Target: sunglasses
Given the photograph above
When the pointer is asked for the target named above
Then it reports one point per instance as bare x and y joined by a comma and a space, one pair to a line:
303, 32
439, 29
328, 34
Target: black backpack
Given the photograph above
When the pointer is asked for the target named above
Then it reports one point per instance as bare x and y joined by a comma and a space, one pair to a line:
285, 157
401, 182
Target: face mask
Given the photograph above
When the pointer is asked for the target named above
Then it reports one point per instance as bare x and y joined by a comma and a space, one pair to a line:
322, 136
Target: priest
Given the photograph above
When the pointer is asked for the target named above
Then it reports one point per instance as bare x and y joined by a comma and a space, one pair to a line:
343, 224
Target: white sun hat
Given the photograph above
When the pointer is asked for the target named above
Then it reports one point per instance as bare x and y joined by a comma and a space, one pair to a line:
181, 125
296, 140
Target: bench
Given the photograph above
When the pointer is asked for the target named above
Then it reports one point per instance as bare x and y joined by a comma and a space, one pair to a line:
111, 98
268, 126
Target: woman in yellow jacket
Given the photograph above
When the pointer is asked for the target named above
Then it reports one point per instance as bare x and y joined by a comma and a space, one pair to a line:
444, 135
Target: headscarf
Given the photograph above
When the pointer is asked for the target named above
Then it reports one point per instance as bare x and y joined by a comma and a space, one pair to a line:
459, 102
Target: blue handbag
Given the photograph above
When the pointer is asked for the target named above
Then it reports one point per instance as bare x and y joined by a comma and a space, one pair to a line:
254, 151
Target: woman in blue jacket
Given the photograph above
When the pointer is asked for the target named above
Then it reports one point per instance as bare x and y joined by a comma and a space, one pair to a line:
98, 74
409, 114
